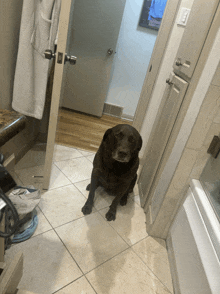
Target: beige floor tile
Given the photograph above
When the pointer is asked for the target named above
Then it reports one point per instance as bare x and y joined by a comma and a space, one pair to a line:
48, 266
137, 199
63, 153
80, 286
101, 200
43, 224
91, 241
58, 179
153, 252
85, 152
136, 191
62, 205
91, 157
82, 186
125, 273
76, 170
25, 292
130, 222
34, 157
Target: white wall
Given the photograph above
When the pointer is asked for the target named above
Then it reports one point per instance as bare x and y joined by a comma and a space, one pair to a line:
165, 70
134, 48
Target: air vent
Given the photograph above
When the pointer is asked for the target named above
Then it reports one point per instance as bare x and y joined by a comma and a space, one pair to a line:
113, 110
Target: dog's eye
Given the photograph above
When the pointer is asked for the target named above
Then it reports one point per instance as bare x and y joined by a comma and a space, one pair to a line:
131, 139
119, 135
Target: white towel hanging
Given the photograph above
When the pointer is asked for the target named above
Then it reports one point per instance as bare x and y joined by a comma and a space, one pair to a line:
38, 31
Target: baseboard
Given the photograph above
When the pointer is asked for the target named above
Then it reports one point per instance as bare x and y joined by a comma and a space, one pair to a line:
127, 117
172, 262
9, 163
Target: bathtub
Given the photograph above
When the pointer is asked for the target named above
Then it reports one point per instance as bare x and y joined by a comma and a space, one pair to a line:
194, 245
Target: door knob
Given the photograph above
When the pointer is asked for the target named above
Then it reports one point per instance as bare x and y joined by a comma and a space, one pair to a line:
178, 63
168, 81
110, 51
48, 54
71, 59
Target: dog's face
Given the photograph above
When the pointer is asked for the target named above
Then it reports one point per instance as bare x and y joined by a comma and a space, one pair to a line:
123, 141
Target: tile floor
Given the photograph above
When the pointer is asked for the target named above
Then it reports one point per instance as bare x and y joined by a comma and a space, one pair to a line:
73, 253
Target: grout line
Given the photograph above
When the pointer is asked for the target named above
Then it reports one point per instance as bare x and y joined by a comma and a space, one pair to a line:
78, 156
69, 253
74, 282
52, 189
90, 284
67, 285
107, 260
81, 181
113, 228
67, 176
80, 191
148, 266
73, 220
84, 274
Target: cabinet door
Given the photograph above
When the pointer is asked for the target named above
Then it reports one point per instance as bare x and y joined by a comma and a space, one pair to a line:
194, 36
165, 120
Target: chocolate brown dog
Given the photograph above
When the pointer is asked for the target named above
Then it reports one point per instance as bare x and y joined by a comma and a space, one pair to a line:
115, 167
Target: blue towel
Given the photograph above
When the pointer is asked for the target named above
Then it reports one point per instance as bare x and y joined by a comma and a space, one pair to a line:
157, 9
28, 232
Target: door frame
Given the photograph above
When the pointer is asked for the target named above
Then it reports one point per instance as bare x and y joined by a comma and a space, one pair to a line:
169, 16
63, 29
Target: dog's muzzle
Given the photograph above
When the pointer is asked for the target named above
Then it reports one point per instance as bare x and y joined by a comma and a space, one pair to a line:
121, 156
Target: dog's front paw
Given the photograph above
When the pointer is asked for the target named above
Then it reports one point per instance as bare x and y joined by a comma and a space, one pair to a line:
123, 201
110, 215
87, 209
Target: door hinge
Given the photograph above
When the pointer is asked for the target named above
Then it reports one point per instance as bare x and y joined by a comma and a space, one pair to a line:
214, 147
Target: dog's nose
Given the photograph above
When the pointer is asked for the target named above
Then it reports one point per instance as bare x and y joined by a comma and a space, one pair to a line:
122, 154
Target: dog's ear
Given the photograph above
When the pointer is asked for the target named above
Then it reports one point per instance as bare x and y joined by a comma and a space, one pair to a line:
140, 142
107, 133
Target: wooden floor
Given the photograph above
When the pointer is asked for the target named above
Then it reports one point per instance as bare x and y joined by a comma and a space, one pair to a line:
84, 131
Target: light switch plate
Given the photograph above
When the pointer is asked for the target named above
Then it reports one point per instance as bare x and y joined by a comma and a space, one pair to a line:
183, 17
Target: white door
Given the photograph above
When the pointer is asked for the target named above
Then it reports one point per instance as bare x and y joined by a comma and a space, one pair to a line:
66, 7
161, 131
94, 31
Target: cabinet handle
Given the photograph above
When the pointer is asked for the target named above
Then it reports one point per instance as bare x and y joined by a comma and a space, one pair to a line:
168, 81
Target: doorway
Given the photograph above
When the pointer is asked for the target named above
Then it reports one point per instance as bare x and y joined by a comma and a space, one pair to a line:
163, 38
130, 63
